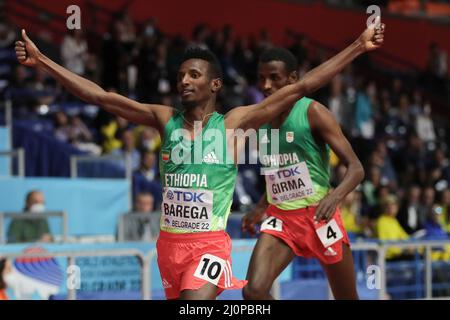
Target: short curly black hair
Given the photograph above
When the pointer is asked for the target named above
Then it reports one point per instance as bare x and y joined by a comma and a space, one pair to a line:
215, 69
280, 54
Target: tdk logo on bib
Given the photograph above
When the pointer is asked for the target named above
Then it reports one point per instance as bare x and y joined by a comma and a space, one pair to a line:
188, 209
185, 196
289, 183
286, 173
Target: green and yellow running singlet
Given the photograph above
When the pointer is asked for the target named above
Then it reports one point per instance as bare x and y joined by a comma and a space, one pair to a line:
298, 175
197, 191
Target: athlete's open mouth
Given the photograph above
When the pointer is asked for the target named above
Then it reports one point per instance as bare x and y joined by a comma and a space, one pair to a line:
185, 93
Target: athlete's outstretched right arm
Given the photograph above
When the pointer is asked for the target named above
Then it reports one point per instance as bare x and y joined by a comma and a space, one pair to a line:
256, 115
147, 114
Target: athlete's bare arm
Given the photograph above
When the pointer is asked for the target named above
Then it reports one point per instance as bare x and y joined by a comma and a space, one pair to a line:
254, 116
147, 114
255, 216
325, 127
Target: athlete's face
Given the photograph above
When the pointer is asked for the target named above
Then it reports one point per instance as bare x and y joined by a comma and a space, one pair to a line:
273, 76
194, 83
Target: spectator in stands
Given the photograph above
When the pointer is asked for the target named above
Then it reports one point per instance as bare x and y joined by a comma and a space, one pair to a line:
161, 72
388, 228
383, 160
396, 91
413, 161
137, 227
385, 115
339, 105
437, 62
74, 51
410, 215
42, 87
404, 113
20, 93
127, 41
433, 228
81, 137
364, 110
126, 30
437, 67
370, 186
5, 268
148, 169
425, 125
32, 229
146, 178
444, 207
350, 213
416, 103
439, 168
200, 35
7, 60
75, 132
300, 45
144, 203
128, 149
112, 133
428, 202
79, 131
62, 127
153, 70
146, 57
264, 42
381, 193
149, 139
112, 56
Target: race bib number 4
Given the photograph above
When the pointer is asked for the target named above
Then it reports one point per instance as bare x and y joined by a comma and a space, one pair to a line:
329, 233
187, 209
272, 223
210, 268
289, 183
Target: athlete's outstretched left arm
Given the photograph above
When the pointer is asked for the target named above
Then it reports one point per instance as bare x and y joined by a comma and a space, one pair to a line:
256, 115
325, 127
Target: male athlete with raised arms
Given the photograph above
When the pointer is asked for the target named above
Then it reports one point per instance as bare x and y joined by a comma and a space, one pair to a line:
303, 215
194, 251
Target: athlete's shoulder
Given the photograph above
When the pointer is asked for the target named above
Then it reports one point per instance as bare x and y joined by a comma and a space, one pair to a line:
218, 115
174, 121
306, 101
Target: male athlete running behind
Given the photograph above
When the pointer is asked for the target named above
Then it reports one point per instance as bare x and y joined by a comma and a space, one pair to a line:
303, 215
194, 251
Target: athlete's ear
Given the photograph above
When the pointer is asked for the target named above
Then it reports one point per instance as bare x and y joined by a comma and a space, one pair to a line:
293, 77
216, 85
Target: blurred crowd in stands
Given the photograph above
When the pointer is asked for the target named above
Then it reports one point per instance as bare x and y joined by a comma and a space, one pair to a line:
386, 115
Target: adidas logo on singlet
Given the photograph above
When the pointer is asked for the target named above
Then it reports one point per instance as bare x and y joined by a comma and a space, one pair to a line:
211, 158
330, 252
166, 284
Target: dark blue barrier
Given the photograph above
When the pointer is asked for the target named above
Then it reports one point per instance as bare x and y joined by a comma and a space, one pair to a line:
44, 155
140, 184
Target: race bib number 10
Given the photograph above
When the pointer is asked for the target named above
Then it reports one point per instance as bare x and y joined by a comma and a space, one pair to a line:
210, 268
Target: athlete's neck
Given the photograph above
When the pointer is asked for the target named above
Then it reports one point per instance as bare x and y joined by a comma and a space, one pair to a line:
200, 112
